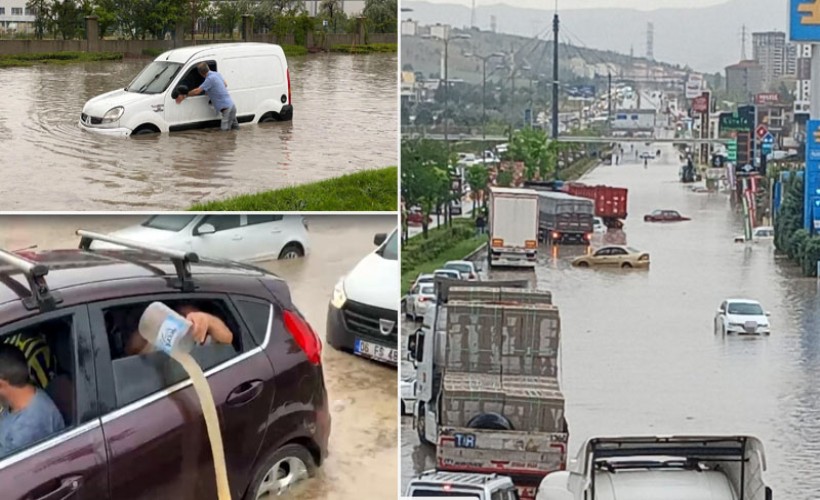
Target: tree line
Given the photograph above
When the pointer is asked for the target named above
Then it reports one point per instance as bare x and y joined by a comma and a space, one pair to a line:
156, 19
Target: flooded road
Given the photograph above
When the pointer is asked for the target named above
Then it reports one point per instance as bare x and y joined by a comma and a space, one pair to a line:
362, 394
345, 120
639, 355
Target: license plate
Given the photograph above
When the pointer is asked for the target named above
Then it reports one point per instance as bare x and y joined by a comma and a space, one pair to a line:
376, 351
464, 440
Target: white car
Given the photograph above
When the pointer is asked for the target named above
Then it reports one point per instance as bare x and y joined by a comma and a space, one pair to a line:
423, 278
408, 395
447, 273
464, 485
420, 297
759, 234
598, 225
245, 238
464, 267
742, 317
258, 82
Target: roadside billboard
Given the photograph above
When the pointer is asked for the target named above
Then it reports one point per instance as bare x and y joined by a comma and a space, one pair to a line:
767, 98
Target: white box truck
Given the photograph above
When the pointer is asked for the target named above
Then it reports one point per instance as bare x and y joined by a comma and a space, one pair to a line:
513, 226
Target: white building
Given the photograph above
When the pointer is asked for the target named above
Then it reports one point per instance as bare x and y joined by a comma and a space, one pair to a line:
15, 16
409, 28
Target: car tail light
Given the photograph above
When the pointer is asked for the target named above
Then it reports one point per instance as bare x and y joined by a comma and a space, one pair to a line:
422, 299
304, 335
288, 74
447, 487
531, 244
498, 242
555, 236
588, 236
644, 257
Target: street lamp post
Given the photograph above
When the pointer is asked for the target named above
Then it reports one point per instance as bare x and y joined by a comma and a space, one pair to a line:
484, 60
446, 40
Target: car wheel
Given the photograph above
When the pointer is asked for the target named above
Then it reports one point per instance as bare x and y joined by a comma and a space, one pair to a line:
267, 118
283, 469
583, 264
145, 130
291, 251
626, 265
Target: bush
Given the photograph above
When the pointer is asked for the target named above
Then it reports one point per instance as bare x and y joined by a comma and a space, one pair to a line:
418, 250
152, 52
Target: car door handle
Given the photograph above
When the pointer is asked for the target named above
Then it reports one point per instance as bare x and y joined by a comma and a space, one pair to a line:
68, 486
244, 393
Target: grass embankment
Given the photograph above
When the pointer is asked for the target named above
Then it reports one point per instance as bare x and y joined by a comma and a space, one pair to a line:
368, 191
578, 169
366, 49
290, 51
420, 255
17, 60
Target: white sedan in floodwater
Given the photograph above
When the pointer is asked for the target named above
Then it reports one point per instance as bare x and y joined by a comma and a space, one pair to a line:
742, 317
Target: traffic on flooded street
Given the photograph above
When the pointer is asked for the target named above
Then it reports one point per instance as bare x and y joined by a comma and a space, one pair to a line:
643, 352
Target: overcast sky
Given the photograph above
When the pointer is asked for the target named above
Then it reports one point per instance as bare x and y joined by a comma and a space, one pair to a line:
592, 4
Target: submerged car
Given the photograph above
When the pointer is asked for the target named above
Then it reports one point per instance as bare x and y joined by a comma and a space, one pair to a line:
665, 216
614, 256
362, 317
131, 418
759, 234
742, 317
240, 237
598, 225
465, 267
420, 297
256, 74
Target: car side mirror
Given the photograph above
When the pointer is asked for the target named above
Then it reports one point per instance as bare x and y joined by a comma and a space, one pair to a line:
720, 311
379, 239
768, 493
768, 313
205, 229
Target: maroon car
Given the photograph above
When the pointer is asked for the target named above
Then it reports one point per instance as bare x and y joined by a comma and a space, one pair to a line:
665, 216
134, 428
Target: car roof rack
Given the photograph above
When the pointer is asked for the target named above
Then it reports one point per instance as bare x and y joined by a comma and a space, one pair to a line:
35, 273
181, 259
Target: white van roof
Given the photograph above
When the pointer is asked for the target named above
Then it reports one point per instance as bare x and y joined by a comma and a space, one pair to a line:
185, 54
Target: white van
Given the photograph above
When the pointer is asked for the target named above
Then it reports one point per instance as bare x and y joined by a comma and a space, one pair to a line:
256, 73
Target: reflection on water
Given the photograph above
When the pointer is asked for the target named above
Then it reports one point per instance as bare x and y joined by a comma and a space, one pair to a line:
344, 121
639, 355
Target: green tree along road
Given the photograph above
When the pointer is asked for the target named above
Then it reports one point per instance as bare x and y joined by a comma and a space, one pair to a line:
791, 238
154, 19
425, 176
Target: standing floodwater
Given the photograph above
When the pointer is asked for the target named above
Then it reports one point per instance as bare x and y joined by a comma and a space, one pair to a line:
344, 121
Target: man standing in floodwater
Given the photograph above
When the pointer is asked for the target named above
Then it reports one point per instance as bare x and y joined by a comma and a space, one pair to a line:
216, 88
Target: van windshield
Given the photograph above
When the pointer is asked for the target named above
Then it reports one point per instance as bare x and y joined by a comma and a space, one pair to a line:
155, 78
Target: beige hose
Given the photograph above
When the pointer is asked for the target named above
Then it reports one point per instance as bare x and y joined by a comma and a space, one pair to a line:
206, 401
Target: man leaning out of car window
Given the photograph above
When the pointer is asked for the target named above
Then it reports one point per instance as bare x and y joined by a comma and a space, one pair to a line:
32, 415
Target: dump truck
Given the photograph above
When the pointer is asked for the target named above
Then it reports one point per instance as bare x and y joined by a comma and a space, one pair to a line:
673, 468
563, 218
610, 202
488, 397
513, 227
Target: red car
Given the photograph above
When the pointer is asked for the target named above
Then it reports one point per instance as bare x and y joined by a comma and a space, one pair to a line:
415, 217
134, 429
665, 216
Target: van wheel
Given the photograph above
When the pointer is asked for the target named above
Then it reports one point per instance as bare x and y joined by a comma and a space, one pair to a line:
291, 251
267, 118
283, 469
145, 130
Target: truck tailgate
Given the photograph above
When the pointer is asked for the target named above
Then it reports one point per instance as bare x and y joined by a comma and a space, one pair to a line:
503, 452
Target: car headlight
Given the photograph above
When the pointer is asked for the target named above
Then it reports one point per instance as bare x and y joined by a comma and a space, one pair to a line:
113, 114
339, 298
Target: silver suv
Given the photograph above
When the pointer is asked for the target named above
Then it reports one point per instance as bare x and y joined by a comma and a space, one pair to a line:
463, 485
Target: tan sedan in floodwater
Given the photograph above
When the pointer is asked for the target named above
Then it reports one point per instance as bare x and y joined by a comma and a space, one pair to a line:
614, 256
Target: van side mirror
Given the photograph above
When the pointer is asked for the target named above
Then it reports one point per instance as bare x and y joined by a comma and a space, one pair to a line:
205, 229
768, 493
379, 239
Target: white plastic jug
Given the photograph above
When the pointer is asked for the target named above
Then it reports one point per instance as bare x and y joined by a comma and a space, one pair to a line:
165, 329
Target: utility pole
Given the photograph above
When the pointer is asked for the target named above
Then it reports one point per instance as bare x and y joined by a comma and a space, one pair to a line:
743, 43
555, 24
609, 100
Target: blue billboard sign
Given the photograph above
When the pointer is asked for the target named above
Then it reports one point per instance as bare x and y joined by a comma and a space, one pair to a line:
811, 180
804, 20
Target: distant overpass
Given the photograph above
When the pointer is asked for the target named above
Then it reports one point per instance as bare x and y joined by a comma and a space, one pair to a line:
571, 139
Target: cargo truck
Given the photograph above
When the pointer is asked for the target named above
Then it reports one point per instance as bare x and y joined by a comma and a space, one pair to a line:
513, 227
563, 218
488, 397
610, 202
669, 468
